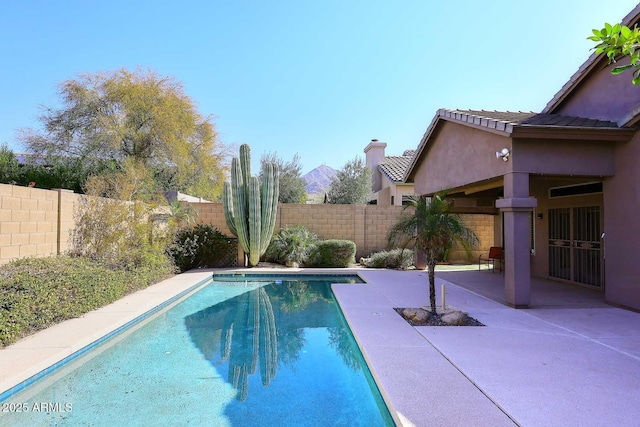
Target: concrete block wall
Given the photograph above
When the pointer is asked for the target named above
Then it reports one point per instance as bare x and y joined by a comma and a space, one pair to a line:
28, 222
37, 222
483, 226
366, 225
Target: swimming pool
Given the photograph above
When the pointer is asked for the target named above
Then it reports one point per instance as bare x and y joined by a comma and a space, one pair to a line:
251, 350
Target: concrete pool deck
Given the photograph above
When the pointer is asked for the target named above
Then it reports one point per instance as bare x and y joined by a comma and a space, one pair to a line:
576, 363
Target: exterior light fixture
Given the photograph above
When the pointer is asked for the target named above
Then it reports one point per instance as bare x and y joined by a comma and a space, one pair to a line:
504, 154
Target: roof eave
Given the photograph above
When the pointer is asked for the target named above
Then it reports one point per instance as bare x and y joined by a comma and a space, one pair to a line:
581, 133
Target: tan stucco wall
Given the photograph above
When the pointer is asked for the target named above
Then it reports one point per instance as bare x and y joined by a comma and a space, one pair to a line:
460, 155
601, 95
549, 156
622, 227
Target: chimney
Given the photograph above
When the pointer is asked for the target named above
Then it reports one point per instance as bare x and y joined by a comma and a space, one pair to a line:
374, 153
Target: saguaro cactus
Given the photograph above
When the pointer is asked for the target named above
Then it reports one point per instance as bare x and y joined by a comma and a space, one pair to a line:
249, 209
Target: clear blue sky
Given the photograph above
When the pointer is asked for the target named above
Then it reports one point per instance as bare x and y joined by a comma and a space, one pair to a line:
316, 77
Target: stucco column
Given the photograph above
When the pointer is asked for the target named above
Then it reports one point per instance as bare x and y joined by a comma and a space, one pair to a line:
516, 207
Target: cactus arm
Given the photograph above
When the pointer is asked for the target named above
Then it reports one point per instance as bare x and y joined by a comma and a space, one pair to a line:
270, 191
239, 204
255, 223
227, 207
245, 164
267, 194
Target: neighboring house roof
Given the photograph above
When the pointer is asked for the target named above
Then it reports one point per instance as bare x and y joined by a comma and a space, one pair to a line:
524, 125
394, 167
631, 18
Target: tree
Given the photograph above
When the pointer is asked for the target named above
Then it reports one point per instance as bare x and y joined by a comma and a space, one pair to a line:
292, 185
352, 183
115, 221
140, 116
432, 227
618, 41
9, 166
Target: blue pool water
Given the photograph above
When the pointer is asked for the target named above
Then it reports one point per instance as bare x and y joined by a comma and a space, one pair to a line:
248, 351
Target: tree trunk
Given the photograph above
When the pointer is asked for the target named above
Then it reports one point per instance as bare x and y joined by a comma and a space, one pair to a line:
432, 285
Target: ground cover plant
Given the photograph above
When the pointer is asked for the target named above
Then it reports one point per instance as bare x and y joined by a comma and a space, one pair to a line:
202, 246
398, 258
292, 245
333, 253
36, 293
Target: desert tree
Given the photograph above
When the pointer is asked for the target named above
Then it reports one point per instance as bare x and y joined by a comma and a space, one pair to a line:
352, 183
292, 185
140, 116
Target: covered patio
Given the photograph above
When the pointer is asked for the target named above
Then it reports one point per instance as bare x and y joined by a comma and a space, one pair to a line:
544, 293
541, 175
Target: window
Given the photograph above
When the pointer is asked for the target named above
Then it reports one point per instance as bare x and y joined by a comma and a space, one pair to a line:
576, 190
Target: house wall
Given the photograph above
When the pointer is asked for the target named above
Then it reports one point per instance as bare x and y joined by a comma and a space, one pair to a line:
460, 155
549, 156
622, 227
601, 95
390, 189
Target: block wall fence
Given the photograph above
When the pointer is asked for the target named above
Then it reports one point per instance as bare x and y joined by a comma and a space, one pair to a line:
37, 222
366, 225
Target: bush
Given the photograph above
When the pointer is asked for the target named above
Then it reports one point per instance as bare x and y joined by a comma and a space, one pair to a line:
291, 245
333, 253
38, 292
395, 258
202, 246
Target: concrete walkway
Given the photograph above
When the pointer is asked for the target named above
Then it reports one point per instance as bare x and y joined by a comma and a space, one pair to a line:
569, 361
570, 365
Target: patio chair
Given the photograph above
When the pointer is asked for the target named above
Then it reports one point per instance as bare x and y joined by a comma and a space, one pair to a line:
495, 255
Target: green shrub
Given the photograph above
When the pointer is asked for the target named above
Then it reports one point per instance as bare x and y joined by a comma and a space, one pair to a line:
291, 245
333, 253
38, 292
202, 246
395, 258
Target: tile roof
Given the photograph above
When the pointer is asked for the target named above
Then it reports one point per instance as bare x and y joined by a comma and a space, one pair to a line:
523, 124
505, 120
394, 167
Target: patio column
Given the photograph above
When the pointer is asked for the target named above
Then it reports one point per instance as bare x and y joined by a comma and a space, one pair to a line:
516, 207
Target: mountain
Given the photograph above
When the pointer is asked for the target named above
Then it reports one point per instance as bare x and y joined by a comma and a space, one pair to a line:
318, 180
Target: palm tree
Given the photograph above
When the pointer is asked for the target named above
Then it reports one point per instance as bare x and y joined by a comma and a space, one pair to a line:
432, 228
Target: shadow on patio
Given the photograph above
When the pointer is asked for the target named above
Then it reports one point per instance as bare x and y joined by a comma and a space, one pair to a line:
544, 293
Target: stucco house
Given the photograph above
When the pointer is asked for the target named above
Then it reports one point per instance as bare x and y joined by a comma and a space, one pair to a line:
564, 183
388, 185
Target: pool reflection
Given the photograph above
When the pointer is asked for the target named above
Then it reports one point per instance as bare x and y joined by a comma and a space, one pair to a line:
265, 329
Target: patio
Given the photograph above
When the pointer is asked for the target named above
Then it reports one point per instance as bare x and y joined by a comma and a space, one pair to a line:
570, 359
544, 293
